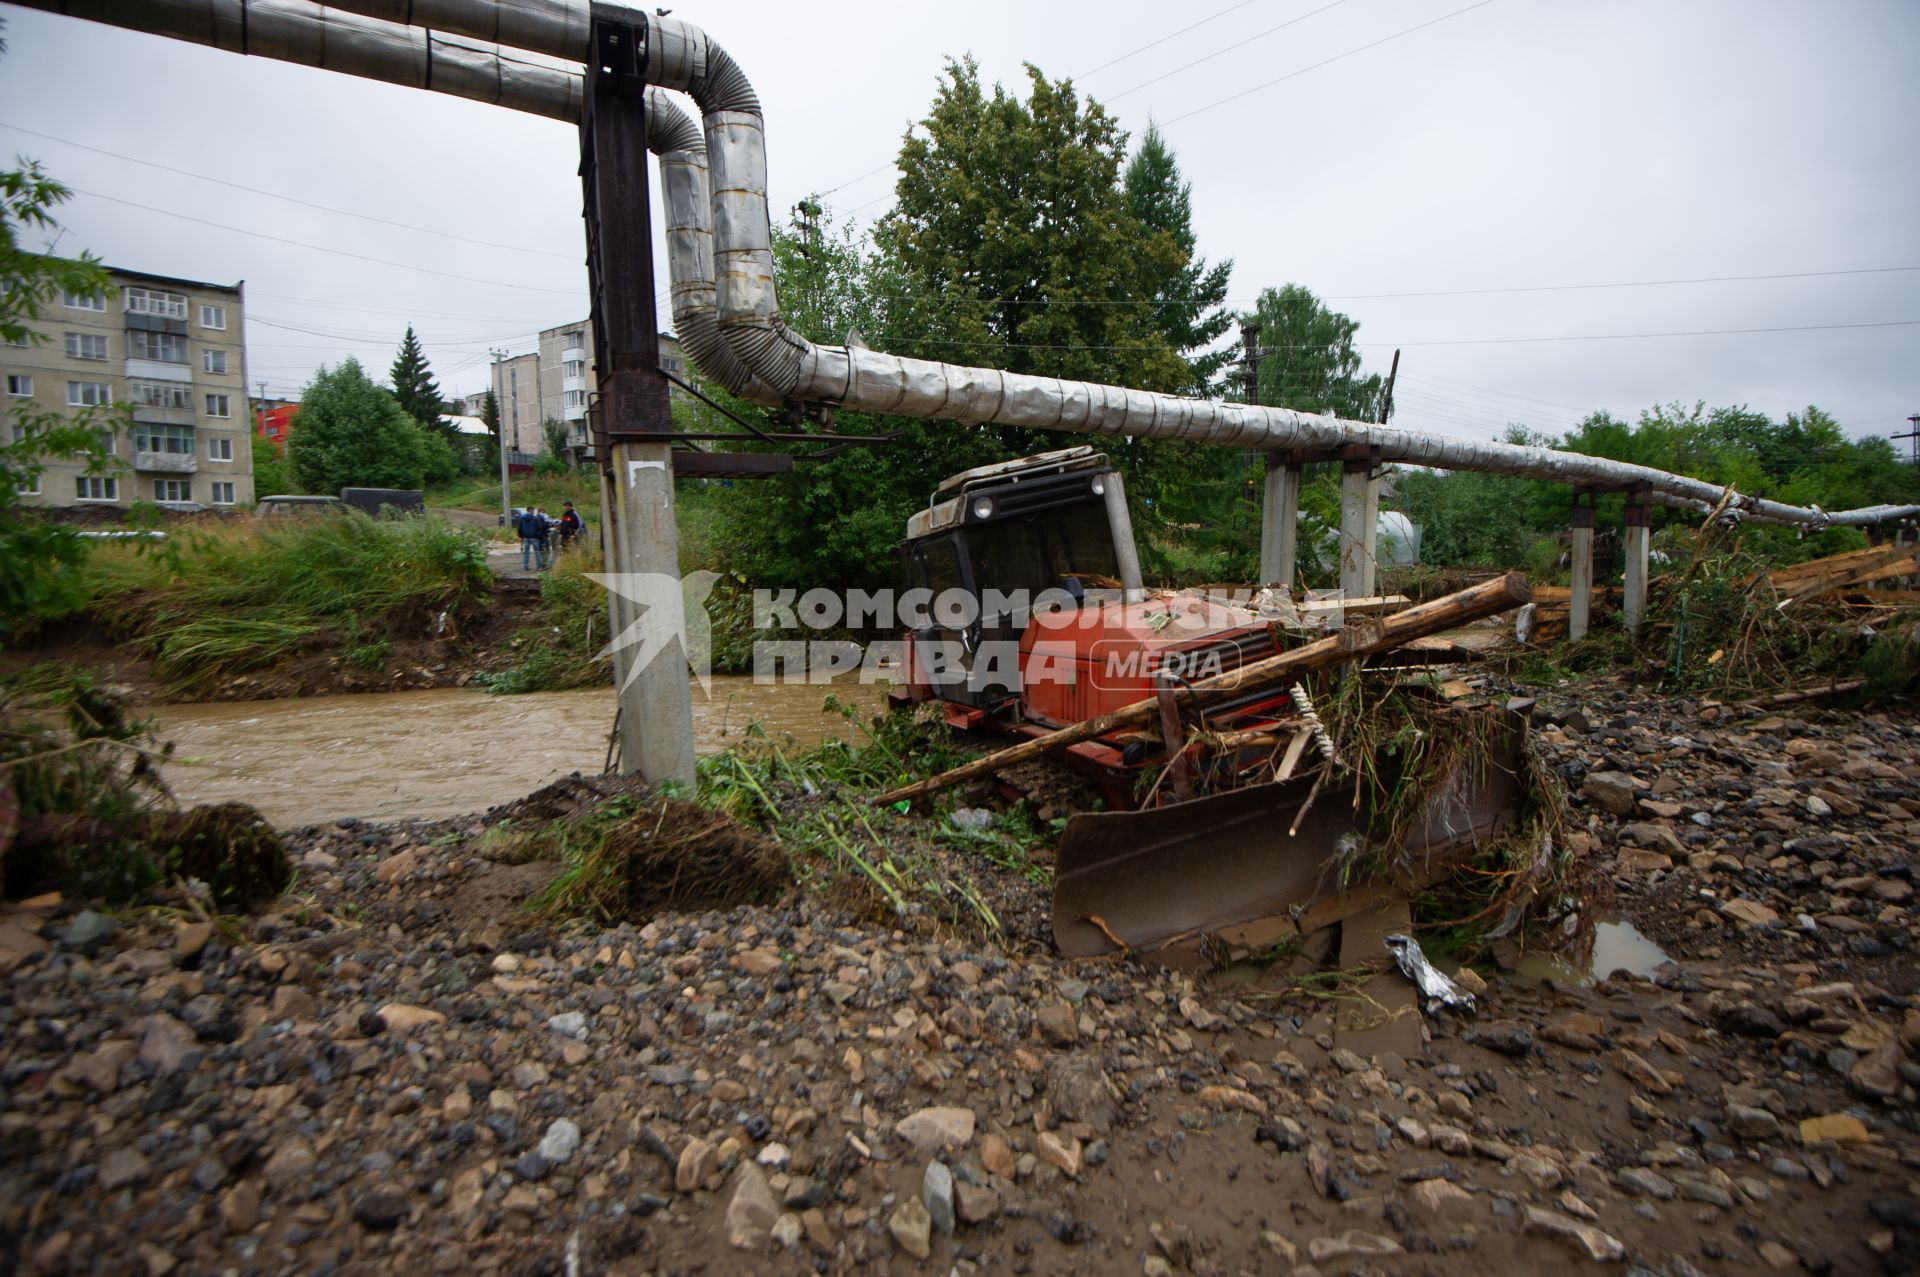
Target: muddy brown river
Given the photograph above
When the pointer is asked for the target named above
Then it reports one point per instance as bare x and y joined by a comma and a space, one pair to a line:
401, 755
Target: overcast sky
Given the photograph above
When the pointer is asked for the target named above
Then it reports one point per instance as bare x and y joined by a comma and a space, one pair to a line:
1370, 147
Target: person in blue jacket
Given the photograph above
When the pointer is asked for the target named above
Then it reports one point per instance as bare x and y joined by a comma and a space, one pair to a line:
532, 527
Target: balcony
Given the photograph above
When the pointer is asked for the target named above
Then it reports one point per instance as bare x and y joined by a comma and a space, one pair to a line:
167, 462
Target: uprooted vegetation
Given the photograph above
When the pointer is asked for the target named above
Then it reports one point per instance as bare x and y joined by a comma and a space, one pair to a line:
226, 598
90, 815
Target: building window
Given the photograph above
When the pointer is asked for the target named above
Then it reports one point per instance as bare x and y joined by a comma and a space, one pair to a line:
173, 489
28, 487
223, 493
166, 347
86, 346
95, 487
217, 406
213, 317
19, 383
177, 440
213, 361
160, 394
151, 301
89, 394
574, 368
24, 341
219, 449
575, 338
80, 301
576, 398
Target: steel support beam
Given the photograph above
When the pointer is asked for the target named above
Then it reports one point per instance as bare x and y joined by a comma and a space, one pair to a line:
1120, 526
633, 416
1633, 605
1580, 603
1280, 521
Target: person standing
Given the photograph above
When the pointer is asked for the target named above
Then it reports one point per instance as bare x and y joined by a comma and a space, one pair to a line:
571, 526
529, 525
543, 545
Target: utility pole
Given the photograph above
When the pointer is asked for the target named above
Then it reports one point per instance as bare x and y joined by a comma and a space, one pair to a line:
1386, 396
1913, 434
506, 496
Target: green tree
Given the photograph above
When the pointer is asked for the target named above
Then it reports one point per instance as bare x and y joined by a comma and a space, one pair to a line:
553, 458
1188, 298
1307, 360
1012, 212
39, 561
351, 433
415, 388
270, 474
490, 418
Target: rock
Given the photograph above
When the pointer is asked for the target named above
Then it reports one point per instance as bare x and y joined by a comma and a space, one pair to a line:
240, 1207
560, 1142
397, 866
936, 1194
121, 1167
1470, 980
752, 1212
787, 1231
189, 938
996, 1156
1505, 1037
401, 1018
756, 962
1634, 1067
1057, 1151
99, 1069
1438, 1199
1647, 1183
1877, 1073
1841, 1128
937, 1130
168, 1046
1611, 791
698, 1161
1639, 860
1353, 1242
1057, 1023
1776, 1256
1654, 837
975, 1203
1751, 1123
1078, 1089
1750, 912
775, 1157
158, 1262
382, 1207
290, 1163
88, 931
1232, 1097
912, 1228
569, 1024
1585, 1237
1745, 1018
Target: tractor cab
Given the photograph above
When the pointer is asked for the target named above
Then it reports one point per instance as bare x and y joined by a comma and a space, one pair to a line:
1033, 610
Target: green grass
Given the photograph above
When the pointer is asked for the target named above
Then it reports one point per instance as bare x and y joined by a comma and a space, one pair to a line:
244, 595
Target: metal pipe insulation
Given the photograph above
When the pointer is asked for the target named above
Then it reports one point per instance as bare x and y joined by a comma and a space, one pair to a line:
332, 39
779, 364
676, 142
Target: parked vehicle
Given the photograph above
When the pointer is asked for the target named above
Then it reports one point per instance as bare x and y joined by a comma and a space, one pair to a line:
385, 501
298, 507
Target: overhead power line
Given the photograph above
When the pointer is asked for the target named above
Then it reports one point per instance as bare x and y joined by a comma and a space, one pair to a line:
1371, 44
255, 190
1238, 44
1153, 44
320, 248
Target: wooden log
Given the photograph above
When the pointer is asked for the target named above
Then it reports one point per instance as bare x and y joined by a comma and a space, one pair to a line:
1857, 571
1472, 604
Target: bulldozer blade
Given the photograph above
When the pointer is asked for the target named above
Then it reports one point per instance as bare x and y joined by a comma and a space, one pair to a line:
1226, 866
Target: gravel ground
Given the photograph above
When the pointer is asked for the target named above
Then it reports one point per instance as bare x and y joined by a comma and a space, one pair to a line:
394, 1071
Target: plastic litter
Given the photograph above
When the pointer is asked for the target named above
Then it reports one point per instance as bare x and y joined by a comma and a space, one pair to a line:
1435, 989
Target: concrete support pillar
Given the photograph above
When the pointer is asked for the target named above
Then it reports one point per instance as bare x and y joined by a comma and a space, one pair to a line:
656, 699
1580, 605
1359, 503
1120, 524
1280, 521
1634, 604
620, 609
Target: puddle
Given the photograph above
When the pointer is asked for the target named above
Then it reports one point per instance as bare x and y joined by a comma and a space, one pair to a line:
445, 752
1617, 946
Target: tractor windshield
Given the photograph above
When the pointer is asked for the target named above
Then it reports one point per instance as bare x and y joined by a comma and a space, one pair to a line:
1038, 552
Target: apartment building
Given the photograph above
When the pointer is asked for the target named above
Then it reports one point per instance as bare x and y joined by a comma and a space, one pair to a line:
173, 352
556, 381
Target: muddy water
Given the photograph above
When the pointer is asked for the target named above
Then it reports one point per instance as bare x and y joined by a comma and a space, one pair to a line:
1617, 946
400, 755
